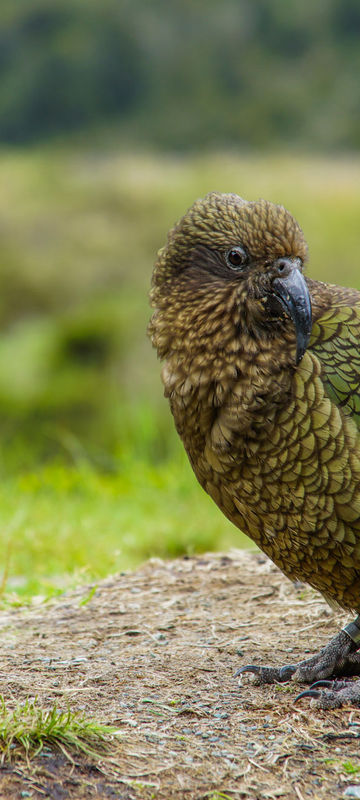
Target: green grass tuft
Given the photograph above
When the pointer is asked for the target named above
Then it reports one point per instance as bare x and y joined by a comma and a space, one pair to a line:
28, 728
350, 768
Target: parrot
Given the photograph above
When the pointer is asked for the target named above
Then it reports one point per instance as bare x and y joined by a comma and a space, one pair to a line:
261, 367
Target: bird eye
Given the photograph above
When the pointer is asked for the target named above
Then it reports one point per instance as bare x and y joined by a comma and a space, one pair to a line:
237, 257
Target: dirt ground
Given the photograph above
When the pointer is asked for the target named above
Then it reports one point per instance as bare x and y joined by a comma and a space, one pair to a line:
154, 653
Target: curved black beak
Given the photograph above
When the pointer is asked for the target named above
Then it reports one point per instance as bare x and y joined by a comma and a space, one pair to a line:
293, 294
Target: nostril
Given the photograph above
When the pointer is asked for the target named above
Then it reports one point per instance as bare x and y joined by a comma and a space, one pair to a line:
287, 264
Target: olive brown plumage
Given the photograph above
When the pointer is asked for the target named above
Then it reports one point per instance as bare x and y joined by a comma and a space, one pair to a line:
262, 371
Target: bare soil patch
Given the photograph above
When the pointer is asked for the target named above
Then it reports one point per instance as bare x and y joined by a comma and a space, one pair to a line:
154, 653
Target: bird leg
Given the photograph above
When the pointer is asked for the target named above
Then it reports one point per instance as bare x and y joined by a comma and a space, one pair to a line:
339, 658
333, 693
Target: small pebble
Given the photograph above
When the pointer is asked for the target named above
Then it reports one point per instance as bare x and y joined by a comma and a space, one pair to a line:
161, 638
352, 791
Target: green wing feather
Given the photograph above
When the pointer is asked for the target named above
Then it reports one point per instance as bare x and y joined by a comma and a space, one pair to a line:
335, 339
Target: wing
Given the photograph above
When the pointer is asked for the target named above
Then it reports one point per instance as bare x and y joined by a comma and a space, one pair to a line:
335, 339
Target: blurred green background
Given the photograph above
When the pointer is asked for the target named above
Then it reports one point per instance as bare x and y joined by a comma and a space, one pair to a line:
114, 117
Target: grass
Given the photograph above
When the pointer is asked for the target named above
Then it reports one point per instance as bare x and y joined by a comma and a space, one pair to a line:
29, 728
76, 524
92, 477
350, 768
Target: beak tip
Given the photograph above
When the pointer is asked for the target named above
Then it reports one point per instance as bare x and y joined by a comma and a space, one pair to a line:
301, 348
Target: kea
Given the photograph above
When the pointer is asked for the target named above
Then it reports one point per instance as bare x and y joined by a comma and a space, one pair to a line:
262, 372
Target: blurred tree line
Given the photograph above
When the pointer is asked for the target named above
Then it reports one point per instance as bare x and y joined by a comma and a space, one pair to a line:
183, 74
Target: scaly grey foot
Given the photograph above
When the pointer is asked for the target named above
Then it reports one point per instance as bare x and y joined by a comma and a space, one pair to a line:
333, 694
339, 658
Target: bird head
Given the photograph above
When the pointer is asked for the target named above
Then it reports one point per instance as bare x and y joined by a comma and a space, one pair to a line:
239, 259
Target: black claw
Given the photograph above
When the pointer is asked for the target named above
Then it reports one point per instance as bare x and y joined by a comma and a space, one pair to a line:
327, 684
285, 673
249, 668
307, 693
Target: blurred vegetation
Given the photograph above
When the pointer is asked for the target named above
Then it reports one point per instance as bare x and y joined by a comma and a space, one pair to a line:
92, 476
183, 74
79, 234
